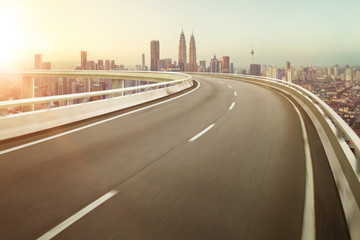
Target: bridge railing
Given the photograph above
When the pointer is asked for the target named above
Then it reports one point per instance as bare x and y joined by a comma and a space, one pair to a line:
15, 125
333, 132
160, 76
344, 128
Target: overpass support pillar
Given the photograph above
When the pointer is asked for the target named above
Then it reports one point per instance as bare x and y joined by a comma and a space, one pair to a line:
117, 83
28, 92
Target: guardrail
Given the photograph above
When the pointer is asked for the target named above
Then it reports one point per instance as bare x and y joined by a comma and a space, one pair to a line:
141, 76
333, 132
29, 101
33, 121
338, 121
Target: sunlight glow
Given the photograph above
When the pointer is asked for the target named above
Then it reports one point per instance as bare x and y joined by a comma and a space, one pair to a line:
10, 39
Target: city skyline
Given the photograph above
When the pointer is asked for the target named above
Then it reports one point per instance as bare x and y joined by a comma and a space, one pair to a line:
280, 31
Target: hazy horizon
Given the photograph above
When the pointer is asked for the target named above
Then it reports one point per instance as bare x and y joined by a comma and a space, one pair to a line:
318, 33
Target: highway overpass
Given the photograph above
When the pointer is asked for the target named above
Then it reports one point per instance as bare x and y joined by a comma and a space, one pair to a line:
226, 158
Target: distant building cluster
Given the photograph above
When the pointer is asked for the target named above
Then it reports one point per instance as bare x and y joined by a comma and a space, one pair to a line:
185, 64
50, 86
100, 64
339, 87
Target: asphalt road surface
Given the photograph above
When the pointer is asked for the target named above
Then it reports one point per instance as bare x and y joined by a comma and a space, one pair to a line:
224, 161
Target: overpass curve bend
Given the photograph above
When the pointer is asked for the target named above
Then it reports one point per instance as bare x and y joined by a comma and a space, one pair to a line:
225, 160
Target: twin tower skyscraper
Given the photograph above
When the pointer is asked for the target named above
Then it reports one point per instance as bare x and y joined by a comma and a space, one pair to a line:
183, 65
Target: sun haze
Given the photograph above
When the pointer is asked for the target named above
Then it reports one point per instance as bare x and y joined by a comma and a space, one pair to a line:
307, 32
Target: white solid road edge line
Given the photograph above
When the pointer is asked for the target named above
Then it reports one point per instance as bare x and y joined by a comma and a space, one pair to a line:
62, 226
232, 105
308, 227
235, 93
92, 124
201, 133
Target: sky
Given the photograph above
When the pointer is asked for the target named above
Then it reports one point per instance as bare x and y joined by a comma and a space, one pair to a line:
316, 32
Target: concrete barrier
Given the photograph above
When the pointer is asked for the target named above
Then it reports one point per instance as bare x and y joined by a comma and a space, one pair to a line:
29, 122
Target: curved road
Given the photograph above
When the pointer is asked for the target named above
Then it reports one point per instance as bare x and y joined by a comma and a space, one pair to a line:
224, 161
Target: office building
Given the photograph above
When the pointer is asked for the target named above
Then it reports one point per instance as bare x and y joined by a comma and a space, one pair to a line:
192, 55
90, 65
288, 75
347, 73
336, 70
38, 61
287, 70
225, 68
182, 52
161, 65
202, 66
353, 74
107, 64
255, 69
154, 55
214, 65
329, 73
143, 62
288, 65
100, 64
83, 60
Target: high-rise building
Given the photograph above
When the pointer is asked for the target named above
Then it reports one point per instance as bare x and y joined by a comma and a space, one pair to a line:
288, 75
182, 52
347, 73
112, 65
357, 75
100, 64
214, 65
225, 64
329, 73
288, 65
192, 55
38, 61
161, 65
107, 64
288, 71
336, 70
37, 65
255, 69
353, 74
202, 66
90, 65
83, 60
154, 55
143, 62
231, 67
